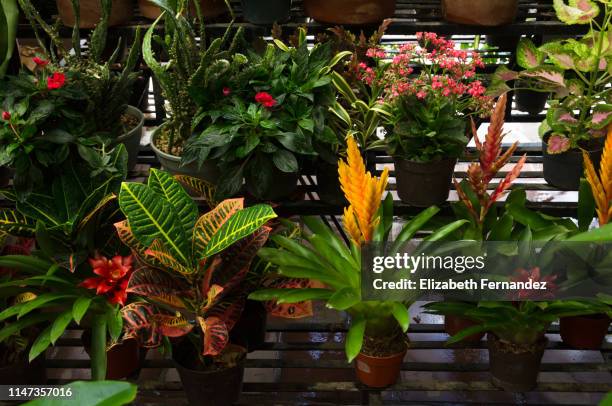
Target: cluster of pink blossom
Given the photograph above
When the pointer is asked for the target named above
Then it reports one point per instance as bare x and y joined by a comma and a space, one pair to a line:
431, 68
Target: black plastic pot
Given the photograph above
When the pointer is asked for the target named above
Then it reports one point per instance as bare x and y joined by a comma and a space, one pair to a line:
328, 184
424, 184
530, 101
24, 373
514, 370
564, 170
216, 387
250, 330
131, 139
266, 11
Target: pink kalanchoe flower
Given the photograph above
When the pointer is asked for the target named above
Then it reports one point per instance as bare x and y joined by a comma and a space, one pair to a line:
114, 275
56, 81
40, 62
265, 99
227, 91
6, 116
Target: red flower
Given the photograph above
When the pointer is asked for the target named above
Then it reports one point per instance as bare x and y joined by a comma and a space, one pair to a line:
113, 278
526, 275
56, 80
265, 99
40, 62
6, 116
227, 91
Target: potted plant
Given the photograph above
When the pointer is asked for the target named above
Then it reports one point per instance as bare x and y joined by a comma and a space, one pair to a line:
9, 17
191, 62
426, 126
575, 71
87, 13
261, 117
192, 281
350, 12
266, 11
480, 12
376, 337
107, 90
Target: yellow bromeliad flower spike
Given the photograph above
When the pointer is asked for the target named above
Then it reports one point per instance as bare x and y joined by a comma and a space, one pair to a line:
363, 192
601, 184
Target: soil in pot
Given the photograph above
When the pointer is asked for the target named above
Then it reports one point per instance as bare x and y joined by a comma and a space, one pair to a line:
90, 10
131, 122
514, 368
266, 11
122, 360
219, 384
480, 12
379, 363
349, 12
172, 163
328, 184
424, 184
250, 330
454, 324
564, 170
584, 332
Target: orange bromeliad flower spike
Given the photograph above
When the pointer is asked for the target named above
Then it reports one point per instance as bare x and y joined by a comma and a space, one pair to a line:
363, 192
601, 184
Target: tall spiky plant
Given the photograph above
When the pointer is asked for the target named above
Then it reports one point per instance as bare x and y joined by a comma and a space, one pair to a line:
601, 183
490, 161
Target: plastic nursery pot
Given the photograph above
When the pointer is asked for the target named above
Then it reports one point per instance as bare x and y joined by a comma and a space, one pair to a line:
514, 368
171, 163
24, 372
122, 360
424, 184
250, 330
131, 139
454, 324
564, 170
349, 12
328, 184
480, 12
91, 12
584, 332
208, 387
530, 101
379, 372
266, 11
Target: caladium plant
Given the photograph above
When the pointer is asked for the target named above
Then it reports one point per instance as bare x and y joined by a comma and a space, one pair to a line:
576, 71
193, 268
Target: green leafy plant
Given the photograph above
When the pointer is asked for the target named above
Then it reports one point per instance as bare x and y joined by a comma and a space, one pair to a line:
192, 62
193, 281
106, 393
9, 17
576, 71
267, 115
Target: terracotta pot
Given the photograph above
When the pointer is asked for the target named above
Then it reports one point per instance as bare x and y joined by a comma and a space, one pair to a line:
122, 360
584, 332
454, 324
209, 8
564, 170
379, 372
480, 12
424, 184
514, 370
122, 12
349, 12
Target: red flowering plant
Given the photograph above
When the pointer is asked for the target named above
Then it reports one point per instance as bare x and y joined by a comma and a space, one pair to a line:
267, 113
432, 88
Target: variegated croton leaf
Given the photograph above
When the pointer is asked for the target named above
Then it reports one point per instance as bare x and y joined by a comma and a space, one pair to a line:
211, 222
160, 287
138, 322
216, 335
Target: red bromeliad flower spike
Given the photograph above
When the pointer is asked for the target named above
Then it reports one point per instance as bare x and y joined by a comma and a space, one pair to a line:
113, 276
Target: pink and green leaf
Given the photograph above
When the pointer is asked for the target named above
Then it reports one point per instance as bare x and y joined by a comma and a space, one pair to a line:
528, 55
548, 75
602, 116
558, 144
577, 12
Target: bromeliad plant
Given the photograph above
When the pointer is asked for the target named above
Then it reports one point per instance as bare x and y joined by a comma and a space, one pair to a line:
268, 115
193, 268
193, 62
325, 258
576, 71
432, 88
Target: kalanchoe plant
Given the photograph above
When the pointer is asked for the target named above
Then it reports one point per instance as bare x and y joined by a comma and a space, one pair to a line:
268, 114
431, 87
576, 71
193, 61
194, 268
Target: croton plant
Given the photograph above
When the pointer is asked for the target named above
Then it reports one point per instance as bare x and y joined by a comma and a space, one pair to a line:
576, 71
192, 278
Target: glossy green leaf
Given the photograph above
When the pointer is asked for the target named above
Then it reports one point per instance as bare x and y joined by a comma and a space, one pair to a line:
171, 190
80, 307
59, 325
98, 393
42, 342
400, 313
344, 298
354, 337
